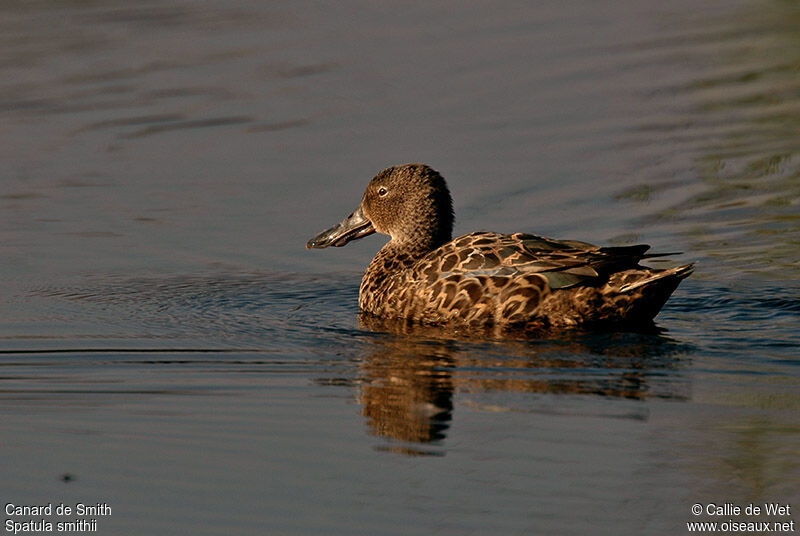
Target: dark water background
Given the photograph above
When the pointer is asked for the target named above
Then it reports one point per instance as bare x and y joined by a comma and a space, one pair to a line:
167, 342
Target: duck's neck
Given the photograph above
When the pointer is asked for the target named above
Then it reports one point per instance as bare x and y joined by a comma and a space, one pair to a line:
386, 269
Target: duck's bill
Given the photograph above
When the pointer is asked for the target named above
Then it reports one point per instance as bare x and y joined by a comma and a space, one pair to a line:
353, 227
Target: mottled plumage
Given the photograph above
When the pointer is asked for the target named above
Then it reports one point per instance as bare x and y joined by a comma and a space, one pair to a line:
514, 281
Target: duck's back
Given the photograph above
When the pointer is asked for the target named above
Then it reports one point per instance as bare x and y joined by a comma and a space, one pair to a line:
517, 281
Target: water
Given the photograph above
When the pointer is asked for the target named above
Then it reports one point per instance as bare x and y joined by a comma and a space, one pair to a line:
168, 347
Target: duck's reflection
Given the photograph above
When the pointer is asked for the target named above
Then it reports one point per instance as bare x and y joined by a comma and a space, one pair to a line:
407, 392
410, 373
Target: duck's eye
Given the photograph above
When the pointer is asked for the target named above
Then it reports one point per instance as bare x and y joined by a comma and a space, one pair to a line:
382, 191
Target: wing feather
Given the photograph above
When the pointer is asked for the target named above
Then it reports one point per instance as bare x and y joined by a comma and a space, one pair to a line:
564, 263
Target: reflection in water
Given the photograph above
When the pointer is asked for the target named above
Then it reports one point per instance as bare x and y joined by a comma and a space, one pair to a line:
407, 391
411, 372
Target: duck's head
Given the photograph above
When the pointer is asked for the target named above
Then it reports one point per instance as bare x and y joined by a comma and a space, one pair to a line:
410, 203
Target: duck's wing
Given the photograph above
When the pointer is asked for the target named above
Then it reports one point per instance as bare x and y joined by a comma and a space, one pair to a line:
564, 263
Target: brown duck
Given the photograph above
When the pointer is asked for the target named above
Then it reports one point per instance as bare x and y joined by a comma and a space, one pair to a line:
513, 281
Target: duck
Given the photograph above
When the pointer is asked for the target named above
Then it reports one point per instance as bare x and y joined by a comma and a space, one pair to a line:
516, 281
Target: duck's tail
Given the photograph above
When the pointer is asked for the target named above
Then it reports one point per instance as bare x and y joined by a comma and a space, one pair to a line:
640, 300
664, 278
